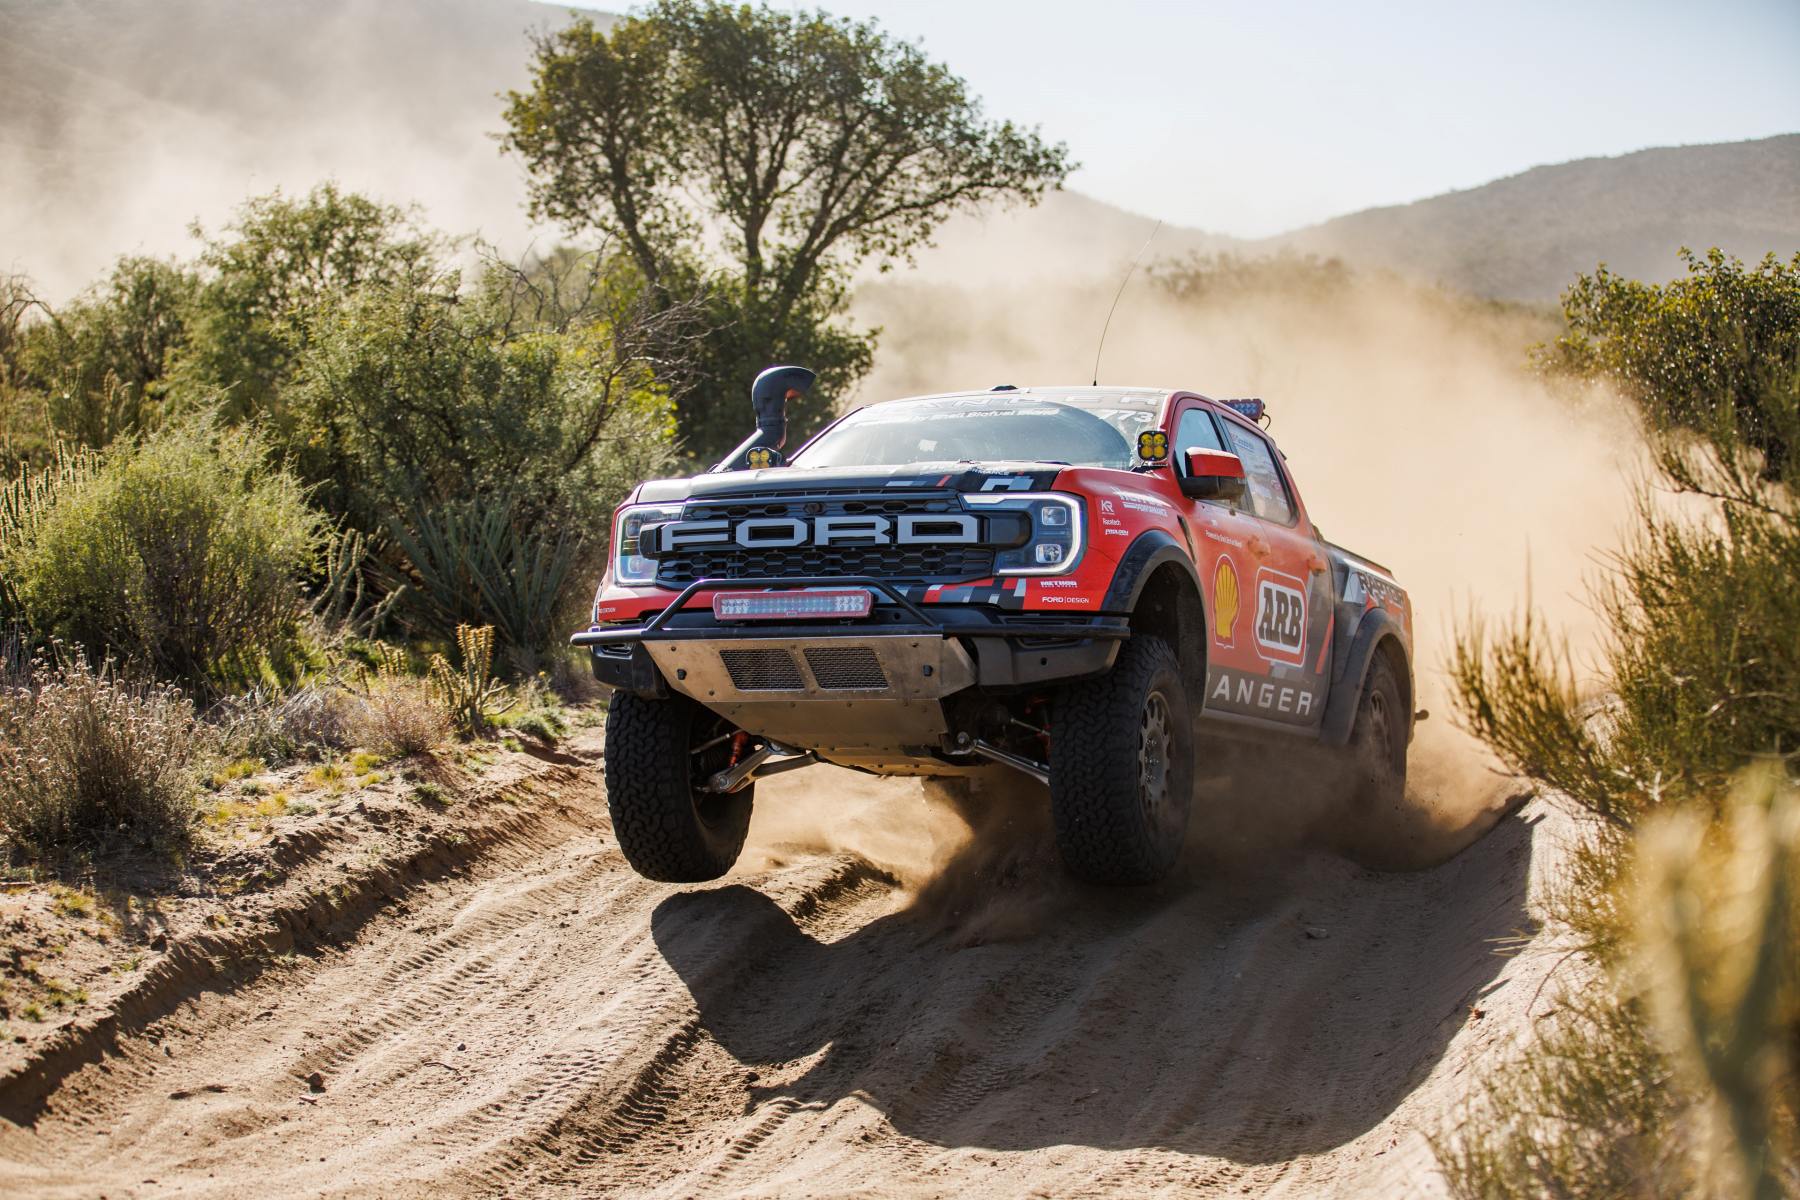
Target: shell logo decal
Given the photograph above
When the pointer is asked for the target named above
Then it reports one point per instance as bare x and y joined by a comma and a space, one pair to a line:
1225, 600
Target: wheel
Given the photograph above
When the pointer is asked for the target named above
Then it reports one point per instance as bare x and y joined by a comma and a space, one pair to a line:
1378, 739
1121, 768
657, 751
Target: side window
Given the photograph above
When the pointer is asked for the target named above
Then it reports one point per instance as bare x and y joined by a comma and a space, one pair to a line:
1268, 493
1195, 431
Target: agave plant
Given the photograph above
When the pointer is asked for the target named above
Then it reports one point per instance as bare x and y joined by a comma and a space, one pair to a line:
481, 563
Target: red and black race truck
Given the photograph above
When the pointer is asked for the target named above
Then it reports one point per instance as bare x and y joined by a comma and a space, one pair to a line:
1083, 584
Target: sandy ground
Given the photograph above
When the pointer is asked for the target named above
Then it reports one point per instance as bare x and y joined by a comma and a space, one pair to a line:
842, 1016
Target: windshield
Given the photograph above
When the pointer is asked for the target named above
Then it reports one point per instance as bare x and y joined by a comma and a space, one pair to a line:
983, 429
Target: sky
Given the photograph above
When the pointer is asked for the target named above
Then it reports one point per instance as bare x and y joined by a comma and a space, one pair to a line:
1256, 118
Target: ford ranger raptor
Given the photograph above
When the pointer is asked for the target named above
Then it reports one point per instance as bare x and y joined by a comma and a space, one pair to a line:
1083, 584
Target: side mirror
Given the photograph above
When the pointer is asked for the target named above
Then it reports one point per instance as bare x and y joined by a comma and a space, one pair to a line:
1213, 475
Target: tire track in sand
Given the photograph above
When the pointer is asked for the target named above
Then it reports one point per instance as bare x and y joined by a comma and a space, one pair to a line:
546, 1023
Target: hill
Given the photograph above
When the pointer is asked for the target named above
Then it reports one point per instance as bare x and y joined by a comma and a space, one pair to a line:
1519, 238
121, 123
1522, 237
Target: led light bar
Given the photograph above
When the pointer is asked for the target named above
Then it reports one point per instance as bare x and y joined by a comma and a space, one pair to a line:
1249, 406
792, 606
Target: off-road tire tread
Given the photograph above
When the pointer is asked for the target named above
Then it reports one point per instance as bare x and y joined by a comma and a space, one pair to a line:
1101, 831
1379, 793
651, 798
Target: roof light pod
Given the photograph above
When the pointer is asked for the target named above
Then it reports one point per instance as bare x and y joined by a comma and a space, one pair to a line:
1249, 406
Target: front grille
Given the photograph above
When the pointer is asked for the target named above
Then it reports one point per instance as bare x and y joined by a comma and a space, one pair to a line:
909, 563
828, 562
846, 669
762, 670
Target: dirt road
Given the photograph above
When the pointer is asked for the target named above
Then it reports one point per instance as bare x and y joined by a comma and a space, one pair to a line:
540, 1021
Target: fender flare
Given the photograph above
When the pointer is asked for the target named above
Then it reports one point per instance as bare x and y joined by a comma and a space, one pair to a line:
1148, 551
1353, 671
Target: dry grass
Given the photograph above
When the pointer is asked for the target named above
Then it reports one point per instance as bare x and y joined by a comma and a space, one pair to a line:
399, 717
87, 757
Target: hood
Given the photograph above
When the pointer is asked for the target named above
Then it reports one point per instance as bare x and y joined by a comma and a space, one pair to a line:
941, 476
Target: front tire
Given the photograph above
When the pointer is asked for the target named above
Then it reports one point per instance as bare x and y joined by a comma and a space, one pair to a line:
1121, 768
657, 752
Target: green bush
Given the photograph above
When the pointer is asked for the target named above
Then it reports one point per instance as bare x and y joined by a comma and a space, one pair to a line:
99, 365
86, 757
184, 554
24, 503
487, 437
1719, 350
1699, 679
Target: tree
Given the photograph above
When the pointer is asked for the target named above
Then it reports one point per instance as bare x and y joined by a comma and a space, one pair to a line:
284, 260
793, 145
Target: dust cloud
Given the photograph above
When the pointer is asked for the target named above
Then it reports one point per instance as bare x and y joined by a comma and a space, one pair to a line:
1418, 436
121, 124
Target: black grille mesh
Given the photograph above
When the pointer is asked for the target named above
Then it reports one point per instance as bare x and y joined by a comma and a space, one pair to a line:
915, 562
846, 669
762, 670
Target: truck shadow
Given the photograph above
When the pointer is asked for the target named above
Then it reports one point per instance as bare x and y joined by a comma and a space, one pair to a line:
1253, 1019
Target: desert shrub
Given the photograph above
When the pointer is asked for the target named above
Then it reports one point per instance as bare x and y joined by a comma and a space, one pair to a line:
185, 554
24, 503
87, 757
400, 717
279, 725
1670, 1066
1702, 669
488, 437
537, 710
1716, 924
1671, 1069
100, 364
23, 436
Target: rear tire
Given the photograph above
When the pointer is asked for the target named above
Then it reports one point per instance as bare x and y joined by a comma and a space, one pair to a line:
1121, 768
1378, 739
670, 831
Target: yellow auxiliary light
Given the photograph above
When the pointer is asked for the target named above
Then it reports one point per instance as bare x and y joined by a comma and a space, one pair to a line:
1153, 445
760, 457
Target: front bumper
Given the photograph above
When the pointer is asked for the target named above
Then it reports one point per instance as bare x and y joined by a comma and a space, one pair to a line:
917, 653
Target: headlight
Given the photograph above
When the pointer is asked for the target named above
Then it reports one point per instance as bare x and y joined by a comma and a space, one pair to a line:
628, 566
1055, 543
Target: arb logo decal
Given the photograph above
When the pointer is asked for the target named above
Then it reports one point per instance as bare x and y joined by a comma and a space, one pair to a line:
1225, 601
1280, 617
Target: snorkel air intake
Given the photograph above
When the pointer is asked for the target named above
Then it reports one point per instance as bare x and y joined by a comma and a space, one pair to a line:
769, 396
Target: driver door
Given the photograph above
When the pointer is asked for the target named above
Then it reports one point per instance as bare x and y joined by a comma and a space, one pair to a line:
1257, 578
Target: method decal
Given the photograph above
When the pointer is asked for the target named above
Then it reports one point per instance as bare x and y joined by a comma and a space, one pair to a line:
1280, 617
1225, 602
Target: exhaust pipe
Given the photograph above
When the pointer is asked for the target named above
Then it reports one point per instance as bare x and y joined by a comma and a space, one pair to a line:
769, 396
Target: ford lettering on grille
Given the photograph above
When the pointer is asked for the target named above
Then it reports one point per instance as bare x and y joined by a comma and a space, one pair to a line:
780, 533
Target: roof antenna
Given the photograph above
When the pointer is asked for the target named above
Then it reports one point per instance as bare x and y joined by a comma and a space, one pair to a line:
1119, 293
